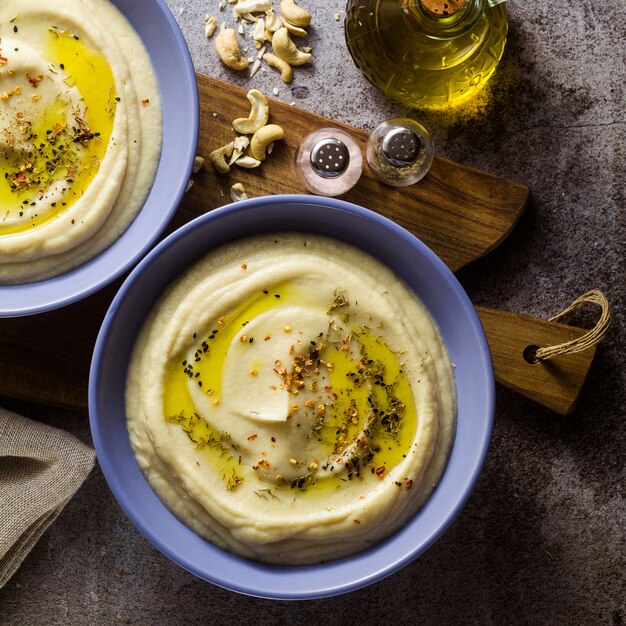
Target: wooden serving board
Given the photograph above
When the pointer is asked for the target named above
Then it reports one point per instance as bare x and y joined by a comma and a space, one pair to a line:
461, 213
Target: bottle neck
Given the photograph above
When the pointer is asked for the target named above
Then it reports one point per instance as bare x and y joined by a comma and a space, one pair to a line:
441, 9
443, 19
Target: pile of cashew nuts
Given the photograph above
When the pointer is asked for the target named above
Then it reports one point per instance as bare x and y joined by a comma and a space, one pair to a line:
268, 28
263, 137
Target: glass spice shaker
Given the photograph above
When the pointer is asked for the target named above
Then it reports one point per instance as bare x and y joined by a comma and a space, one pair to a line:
329, 162
400, 152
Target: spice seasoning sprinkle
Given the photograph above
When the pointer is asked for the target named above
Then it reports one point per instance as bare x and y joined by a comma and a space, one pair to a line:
51, 141
358, 436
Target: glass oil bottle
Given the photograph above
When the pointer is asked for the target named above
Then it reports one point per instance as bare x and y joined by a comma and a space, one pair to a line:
426, 53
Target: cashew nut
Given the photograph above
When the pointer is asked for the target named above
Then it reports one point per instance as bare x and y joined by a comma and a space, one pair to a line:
272, 22
210, 24
258, 30
218, 157
285, 49
294, 30
228, 51
252, 6
258, 117
294, 14
286, 71
247, 162
263, 138
237, 193
256, 66
198, 164
240, 143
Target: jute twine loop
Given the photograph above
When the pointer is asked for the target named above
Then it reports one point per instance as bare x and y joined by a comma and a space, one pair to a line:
590, 338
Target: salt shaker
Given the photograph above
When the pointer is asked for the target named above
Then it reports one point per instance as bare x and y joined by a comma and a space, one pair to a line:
329, 162
400, 152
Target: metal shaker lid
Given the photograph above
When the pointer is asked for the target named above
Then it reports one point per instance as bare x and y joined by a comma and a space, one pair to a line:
401, 147
330, 157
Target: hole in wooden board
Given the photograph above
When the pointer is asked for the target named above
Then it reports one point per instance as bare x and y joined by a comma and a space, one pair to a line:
530, 354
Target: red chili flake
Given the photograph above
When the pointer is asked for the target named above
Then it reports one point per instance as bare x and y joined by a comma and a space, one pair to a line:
273, 439
244, 266
252, 437
380, 471
145, 102
34, 80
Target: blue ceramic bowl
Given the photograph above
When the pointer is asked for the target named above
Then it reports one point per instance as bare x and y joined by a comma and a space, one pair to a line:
179, 94
418, 266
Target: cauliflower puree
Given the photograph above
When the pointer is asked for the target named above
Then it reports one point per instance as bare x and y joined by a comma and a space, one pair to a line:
80, 133
290, 399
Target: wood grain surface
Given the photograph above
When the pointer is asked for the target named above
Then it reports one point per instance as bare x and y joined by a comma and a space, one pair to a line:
555, 383
461, 213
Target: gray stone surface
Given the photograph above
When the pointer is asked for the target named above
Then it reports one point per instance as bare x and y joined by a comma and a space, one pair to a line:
542, 540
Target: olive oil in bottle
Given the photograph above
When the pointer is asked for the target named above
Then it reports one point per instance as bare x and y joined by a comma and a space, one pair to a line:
426, 53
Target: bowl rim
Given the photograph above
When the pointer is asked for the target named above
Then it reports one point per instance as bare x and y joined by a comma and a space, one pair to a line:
63, 289
319, 588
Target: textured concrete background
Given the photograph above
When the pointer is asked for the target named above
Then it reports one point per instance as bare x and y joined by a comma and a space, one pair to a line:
542, 540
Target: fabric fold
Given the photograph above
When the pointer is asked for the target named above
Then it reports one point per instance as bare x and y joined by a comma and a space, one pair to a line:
41, 468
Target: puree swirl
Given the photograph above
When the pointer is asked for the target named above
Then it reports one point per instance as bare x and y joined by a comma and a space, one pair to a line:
290, 399
80, 136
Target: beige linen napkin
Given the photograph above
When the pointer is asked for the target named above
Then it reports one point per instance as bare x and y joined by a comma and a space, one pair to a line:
41, 468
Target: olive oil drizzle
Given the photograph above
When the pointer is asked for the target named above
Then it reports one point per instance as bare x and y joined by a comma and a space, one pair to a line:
61, 144
364, 421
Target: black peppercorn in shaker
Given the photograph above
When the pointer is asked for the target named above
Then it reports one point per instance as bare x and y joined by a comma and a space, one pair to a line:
400, 152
